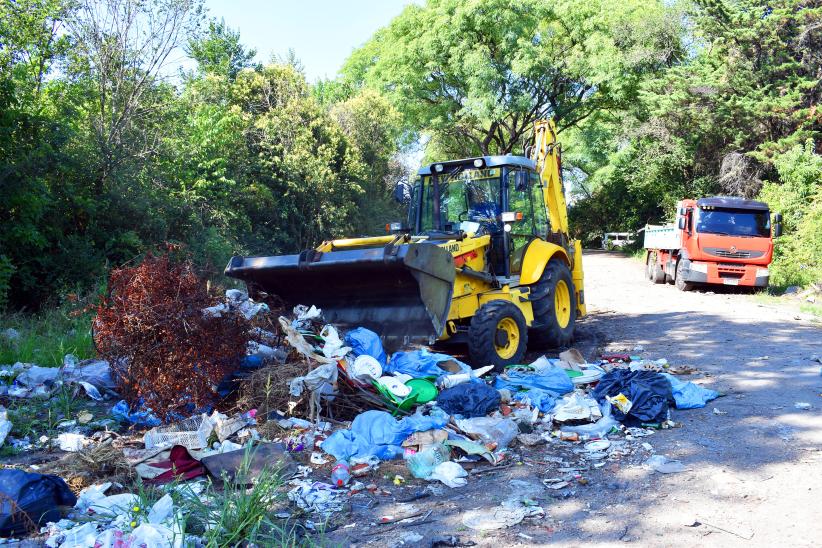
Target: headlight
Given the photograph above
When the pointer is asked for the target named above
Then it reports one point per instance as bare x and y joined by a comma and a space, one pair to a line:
762, 272
700, 267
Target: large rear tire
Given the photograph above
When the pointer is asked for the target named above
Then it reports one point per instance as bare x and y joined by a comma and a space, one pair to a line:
554, 306
498, 336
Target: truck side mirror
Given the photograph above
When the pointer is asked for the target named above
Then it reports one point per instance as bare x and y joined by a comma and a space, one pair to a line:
681, 211
402, 193
681, 223
777, 219
777, 230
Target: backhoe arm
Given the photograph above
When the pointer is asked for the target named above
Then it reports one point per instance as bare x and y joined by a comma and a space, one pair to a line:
546, 154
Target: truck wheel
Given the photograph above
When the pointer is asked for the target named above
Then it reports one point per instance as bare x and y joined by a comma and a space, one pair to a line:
657, 275
498, 335
554, 307
680, 282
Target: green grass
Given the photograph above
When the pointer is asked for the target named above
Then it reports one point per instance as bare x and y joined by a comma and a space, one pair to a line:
46, 338
238, 513
811, 308
767, 298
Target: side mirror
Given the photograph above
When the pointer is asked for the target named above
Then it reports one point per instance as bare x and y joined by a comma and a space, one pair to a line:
521, 181
777, 219
777, 230
681, 223
402, 193
681, 211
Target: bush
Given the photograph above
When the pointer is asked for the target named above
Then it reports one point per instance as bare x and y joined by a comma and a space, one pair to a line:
797, 254
165, 353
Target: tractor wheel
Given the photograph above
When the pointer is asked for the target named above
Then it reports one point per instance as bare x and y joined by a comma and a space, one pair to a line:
554, 306
498, 335
681, 284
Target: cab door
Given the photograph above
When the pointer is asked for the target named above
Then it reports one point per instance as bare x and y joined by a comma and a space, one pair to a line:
525, 199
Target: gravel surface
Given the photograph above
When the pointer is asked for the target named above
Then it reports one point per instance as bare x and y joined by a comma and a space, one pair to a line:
754, 460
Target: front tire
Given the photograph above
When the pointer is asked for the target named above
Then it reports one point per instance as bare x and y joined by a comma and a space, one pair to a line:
554, 308
498, 336
681, 284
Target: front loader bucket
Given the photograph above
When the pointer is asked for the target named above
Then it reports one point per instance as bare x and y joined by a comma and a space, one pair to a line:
402, 292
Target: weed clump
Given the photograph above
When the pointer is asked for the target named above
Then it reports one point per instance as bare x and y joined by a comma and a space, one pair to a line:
165, 353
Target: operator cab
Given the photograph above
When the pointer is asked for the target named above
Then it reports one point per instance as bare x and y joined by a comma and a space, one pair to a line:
501, 196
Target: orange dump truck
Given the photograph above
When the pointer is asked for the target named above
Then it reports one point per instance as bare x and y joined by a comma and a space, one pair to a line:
720, 240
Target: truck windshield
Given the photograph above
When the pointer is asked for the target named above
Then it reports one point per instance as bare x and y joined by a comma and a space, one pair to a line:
469, 195
734, 222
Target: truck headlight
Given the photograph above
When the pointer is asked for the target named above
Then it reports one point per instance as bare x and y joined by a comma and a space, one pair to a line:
762, 272
699, 267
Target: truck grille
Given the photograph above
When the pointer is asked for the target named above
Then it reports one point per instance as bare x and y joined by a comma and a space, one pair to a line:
738, 254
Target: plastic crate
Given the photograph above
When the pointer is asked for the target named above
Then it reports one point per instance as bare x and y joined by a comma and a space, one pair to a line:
192, 433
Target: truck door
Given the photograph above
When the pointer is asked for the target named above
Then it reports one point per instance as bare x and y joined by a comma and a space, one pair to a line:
526, 200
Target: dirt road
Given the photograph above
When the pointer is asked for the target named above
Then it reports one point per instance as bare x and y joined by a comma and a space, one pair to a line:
755, 465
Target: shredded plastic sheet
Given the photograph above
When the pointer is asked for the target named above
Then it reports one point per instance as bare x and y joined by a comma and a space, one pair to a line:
296, 340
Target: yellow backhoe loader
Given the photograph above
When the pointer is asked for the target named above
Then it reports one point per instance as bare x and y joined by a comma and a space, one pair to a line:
485, 259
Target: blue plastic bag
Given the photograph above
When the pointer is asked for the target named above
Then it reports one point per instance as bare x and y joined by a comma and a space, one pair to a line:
545, 400
141, 419
689, 395
554, 380
378, 434
422, 363
365, 341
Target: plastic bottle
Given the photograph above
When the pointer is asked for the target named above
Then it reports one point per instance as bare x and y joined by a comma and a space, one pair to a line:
340, 474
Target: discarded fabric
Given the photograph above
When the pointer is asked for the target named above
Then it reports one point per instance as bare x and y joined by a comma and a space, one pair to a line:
471, 399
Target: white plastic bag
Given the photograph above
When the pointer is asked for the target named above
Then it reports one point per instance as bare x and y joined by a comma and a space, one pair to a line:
450, 473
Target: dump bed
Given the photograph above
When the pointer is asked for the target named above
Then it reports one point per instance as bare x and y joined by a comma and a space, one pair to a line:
662, 237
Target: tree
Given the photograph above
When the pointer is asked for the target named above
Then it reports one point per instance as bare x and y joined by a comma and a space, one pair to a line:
121, 49
476, 75
219, 51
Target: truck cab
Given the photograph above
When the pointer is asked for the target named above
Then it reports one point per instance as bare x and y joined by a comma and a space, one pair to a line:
716, 240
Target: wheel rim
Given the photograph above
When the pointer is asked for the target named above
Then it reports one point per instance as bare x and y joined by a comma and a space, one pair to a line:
562, 303
510, 329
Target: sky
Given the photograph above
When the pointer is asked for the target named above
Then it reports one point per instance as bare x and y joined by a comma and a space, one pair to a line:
322, 33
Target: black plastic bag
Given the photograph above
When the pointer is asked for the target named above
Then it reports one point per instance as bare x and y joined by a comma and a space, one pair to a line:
28, 501
469, 399
650, 394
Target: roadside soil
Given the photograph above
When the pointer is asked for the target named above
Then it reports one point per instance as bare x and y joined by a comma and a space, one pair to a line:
754, 460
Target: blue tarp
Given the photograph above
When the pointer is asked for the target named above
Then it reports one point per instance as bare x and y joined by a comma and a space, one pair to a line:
689, 395
378, 434
554, 380
422, 363
141, 419
365, 341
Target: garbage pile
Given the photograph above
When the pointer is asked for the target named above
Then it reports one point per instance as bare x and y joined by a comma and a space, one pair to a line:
332, 413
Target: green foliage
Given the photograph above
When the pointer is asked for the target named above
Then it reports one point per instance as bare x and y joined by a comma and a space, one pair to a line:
476, 75
219, 51
798, 195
